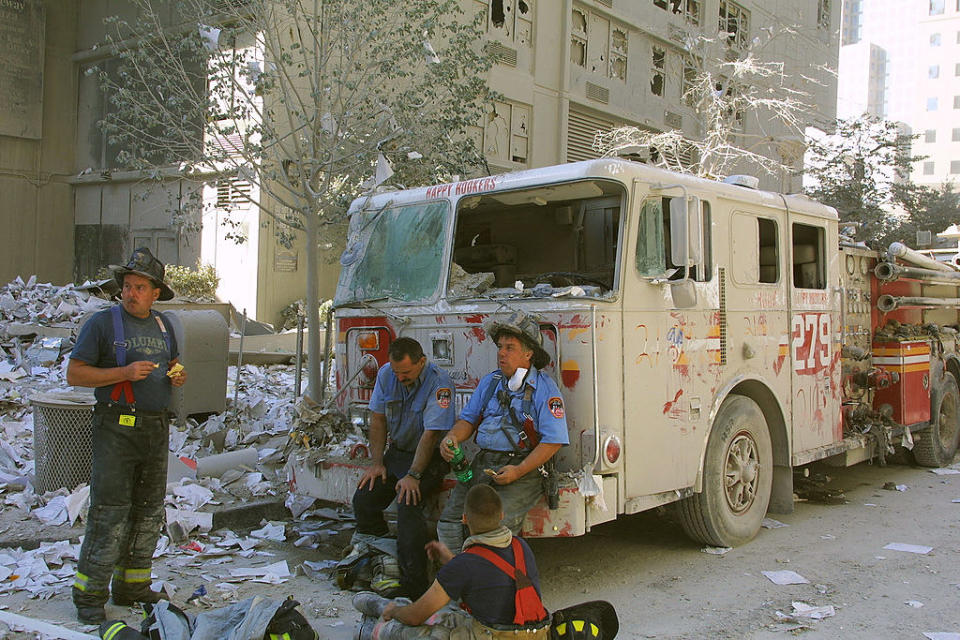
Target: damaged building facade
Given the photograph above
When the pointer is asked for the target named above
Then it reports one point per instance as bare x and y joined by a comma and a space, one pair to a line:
565, 71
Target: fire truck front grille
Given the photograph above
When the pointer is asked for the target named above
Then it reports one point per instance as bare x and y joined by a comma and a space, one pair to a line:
722, 275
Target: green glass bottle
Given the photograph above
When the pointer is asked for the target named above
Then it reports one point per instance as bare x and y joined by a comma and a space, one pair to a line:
459, 463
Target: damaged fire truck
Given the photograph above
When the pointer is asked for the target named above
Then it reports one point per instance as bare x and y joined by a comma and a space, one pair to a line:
708, 337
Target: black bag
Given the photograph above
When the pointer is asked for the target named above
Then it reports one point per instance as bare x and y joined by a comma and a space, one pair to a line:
594, 620
289, 624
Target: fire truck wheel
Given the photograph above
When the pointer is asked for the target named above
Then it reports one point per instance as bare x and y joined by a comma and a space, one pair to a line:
737, 478
936, 446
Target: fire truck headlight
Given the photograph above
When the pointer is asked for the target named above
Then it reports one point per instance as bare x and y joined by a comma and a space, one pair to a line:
611, 450
368, 340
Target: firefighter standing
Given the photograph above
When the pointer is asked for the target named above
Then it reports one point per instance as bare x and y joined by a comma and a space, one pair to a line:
129, 354
412, 402
518, 415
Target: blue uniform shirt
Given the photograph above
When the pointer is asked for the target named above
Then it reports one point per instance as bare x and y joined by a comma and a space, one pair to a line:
428, 405
549, 415
144, 342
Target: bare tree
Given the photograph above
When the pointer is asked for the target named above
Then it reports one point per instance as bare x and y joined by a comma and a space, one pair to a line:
313, 102
725, 85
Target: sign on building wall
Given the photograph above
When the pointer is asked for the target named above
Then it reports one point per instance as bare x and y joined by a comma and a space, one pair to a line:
21, 68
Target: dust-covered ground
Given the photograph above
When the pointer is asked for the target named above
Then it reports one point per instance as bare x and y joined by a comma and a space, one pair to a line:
664, 586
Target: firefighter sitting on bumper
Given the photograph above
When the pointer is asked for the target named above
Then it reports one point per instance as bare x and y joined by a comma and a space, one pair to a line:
518, 415
412, 402
129, 353
495, 579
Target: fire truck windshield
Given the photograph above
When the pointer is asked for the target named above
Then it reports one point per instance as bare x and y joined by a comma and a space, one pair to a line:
538, 241
394, 253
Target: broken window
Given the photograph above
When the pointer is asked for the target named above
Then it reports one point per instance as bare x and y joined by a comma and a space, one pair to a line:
809, 264
689, 8
505, 135
554, 236
618, 55
735, 22
578, 39
691, 78
657, 78
512, 20
823, 14
654, 257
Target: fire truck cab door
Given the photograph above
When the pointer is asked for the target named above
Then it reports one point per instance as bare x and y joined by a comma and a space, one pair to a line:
813, 284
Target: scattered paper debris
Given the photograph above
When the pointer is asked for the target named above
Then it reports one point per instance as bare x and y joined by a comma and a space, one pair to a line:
916, 604
941, 635
770, 523
785, 577
945, 472
909, 548
717, 551
274, 531
802, 610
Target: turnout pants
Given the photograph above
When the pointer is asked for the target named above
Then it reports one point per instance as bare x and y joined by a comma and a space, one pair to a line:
412, 536
127, 487
518, 497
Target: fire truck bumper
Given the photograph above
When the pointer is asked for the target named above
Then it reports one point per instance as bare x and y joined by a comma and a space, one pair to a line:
335, 480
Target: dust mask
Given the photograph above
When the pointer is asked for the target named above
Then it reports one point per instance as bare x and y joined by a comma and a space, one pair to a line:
516, 380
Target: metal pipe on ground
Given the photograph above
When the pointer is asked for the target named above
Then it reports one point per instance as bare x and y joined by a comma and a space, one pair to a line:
887, 303
888, 272
905, 253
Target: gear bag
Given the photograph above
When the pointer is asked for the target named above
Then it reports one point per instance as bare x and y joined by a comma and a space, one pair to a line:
528, 607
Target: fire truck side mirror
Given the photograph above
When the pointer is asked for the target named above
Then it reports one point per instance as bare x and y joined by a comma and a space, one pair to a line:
684, 294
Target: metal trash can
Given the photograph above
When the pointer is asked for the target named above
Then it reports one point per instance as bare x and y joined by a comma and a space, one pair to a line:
62, 439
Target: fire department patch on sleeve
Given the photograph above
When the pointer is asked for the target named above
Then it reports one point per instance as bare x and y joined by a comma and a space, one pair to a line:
443, 397
556, 407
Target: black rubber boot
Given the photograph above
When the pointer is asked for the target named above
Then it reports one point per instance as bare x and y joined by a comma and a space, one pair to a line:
90, 615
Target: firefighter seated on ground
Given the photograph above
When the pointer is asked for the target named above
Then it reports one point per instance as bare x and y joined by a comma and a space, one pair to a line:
495, 578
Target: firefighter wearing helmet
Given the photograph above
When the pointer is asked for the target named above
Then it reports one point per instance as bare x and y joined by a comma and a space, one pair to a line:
517, 414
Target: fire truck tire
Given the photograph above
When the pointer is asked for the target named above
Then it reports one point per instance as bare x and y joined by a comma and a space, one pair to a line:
737, 478
936, 446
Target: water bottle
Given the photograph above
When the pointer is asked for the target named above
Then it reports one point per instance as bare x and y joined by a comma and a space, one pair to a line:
459, 463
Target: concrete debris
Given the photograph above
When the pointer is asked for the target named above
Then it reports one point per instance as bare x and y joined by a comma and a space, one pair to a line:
893, 486
463, 284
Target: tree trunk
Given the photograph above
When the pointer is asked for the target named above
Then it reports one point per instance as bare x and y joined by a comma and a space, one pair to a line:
314, 364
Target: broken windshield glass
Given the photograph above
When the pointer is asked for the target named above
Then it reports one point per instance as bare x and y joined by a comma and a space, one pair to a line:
542, 240
401, 256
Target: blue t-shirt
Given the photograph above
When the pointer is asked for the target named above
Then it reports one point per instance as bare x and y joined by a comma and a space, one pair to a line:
144, 341
549, 414
488, 591
428, 405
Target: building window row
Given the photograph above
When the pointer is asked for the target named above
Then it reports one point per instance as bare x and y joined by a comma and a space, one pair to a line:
929, 168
